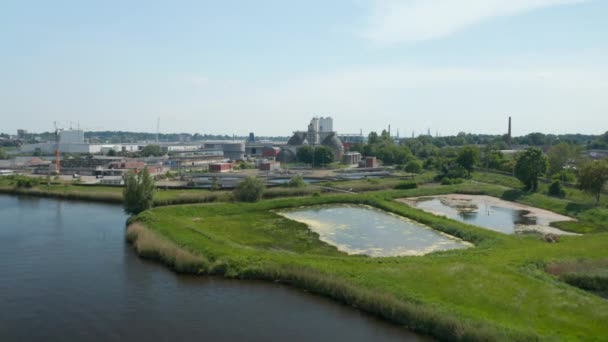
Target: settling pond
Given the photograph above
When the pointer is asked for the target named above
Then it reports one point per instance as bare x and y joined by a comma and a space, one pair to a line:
491, 213
358, 229
67, 274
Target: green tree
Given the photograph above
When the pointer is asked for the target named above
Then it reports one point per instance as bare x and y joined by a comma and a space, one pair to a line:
413, 166
373, 138
3, 154
560, 155
323, 156
592, 177
305, 154
152, 150
249, 190
111, 153
467, 157
138, 192
530, 165
492, 158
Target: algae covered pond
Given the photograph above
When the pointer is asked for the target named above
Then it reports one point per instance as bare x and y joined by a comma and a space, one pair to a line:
491, 213
358, 229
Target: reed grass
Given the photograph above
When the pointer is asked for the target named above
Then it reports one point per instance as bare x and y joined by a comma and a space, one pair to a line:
150, 245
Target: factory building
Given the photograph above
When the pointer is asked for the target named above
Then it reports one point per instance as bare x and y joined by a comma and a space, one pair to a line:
70, 141
233, 150
320, 133
351, 158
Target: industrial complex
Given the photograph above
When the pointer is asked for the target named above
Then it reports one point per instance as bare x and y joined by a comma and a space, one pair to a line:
71, 154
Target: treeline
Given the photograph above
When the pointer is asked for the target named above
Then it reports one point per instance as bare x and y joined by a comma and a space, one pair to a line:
125, 137
501, 141
133, 137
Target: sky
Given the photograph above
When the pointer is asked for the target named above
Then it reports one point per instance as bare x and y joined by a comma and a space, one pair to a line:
268, 66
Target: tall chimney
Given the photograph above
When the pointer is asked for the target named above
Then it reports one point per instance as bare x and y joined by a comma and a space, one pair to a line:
509, 134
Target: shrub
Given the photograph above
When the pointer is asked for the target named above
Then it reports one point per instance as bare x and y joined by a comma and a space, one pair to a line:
26, 182
215, 184
450, 181
406, 186
555, 189
249, 190
565, 176
296, 182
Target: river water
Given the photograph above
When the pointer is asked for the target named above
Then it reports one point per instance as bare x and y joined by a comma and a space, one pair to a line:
67, 274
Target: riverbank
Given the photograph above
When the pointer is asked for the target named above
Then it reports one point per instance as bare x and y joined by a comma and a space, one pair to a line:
167, 196
498, 290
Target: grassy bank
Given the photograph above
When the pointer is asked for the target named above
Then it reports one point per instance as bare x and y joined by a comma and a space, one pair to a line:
162, 197
498, 290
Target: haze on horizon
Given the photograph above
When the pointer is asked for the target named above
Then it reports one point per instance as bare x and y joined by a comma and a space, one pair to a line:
234, 67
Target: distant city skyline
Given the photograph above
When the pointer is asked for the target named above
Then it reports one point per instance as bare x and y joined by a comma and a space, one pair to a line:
236, 67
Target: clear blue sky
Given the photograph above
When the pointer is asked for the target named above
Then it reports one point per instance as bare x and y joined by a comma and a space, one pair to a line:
268, 66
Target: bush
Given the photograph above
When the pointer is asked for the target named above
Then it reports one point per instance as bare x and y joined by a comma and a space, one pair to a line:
296, 182
406, 186
555, 189
26, 182
413, 166
451, 181
249, 190
565, 176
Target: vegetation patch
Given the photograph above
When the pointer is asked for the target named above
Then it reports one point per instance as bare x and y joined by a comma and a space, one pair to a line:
498, 290
590, 275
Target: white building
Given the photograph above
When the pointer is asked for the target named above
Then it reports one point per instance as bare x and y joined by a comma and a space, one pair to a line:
71, 136
326, 124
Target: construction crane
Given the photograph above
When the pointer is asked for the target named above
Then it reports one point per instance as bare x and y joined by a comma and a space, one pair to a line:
57, 153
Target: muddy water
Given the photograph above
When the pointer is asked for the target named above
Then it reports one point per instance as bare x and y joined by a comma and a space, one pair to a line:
491, 213
357, 229
66, 274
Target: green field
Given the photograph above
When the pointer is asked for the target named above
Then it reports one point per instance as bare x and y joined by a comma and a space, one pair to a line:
498, 290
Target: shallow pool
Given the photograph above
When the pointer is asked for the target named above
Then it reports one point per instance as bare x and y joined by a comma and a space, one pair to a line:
358, 229
491, 213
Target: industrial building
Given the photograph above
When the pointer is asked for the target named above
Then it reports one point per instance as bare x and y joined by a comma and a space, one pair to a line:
351, 158
70, 141
320, 133
220, 167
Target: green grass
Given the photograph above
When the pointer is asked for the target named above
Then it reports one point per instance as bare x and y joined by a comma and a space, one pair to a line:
498, 290
375, 184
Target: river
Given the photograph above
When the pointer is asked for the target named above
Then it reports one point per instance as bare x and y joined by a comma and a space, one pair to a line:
67, 274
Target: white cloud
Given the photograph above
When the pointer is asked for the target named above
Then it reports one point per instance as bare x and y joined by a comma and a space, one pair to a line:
399, 21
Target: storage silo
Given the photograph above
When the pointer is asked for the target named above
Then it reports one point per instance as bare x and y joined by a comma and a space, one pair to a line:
234, 151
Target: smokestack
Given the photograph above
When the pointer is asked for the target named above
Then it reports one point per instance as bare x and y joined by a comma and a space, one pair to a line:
509, 134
